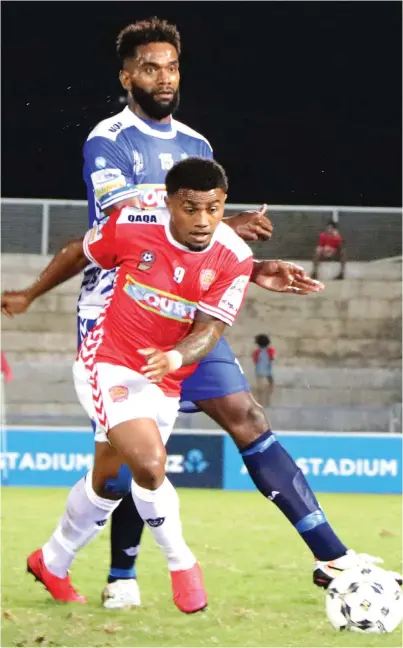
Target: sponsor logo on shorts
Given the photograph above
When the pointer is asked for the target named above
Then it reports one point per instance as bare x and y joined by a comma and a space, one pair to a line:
119, 393
207, 277
160, 302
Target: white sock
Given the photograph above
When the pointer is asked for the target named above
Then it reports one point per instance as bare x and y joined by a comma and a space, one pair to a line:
85, 516
160, 510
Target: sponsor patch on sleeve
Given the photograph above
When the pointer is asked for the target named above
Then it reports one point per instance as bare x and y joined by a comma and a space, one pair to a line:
232, 298
95, 234
106, 181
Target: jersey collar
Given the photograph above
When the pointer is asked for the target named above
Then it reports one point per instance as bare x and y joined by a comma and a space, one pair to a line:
183, 247
163, 131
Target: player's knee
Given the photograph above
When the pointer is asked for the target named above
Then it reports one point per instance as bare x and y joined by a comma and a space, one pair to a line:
248, 421
149, 472
119, 485
256, 418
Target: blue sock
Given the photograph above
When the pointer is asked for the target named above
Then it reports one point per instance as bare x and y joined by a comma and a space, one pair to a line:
278, 478
126, 529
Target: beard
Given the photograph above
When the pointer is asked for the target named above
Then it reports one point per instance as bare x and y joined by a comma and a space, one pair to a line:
151, 106
197, 247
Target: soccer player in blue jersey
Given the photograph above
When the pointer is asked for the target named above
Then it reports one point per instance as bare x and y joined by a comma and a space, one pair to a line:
131, 152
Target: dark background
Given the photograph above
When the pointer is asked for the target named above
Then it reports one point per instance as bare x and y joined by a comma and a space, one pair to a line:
301, 101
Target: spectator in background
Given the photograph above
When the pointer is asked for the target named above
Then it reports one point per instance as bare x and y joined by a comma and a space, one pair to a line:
330, 248
263, 358
6, 372
6, 377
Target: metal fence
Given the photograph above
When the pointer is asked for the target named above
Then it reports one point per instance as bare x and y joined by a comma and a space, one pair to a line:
43, 226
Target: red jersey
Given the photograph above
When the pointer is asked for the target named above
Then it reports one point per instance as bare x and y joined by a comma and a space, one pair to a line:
271, 354
330, 240
5, 368
159, 287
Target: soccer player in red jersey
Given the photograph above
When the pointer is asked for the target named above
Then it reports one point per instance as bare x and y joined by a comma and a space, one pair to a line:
107, 395
182, 277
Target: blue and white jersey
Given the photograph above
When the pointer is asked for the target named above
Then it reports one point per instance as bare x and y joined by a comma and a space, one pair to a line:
124, 156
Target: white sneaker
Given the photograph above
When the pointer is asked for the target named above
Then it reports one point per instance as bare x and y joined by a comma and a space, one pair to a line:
121, 594
324, 572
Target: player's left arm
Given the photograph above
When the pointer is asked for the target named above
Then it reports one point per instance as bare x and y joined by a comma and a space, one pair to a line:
284, 277
219, 308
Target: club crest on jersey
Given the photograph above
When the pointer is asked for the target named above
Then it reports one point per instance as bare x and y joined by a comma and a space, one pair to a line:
207, 277
160, 302
100, 162
119, 393
147, 259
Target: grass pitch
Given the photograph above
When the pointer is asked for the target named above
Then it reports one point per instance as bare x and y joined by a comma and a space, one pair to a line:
257, 570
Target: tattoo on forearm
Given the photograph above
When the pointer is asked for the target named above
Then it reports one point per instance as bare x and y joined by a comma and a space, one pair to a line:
198, 344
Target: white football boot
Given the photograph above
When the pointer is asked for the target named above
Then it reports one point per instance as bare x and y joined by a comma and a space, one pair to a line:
121, 594
324, 572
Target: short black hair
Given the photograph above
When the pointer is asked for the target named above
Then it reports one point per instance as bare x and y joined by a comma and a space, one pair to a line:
262, 340
199, 174
143, 32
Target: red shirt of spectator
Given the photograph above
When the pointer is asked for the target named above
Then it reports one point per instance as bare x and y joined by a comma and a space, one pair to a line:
5, 368
330, 238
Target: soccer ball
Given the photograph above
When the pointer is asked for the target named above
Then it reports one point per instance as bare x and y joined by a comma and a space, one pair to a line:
364, 599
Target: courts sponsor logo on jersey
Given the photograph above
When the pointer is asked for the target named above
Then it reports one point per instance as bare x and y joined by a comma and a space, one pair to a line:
233, 296
160, 302
100, 163
138, 165
106, 181
119, 393
152, 195
147, 259
207, 277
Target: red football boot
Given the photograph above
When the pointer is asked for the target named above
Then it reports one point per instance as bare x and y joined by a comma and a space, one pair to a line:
188, 589
60, 589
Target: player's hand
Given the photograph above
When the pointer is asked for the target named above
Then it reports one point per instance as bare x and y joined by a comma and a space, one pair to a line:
285, 277
157, 364
14, 302
251, 225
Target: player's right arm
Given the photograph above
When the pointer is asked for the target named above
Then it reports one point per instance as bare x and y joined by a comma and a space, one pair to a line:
109, 179
97, 246
67, 263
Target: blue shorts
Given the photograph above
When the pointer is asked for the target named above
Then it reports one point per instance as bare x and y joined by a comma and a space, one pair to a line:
218, 374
